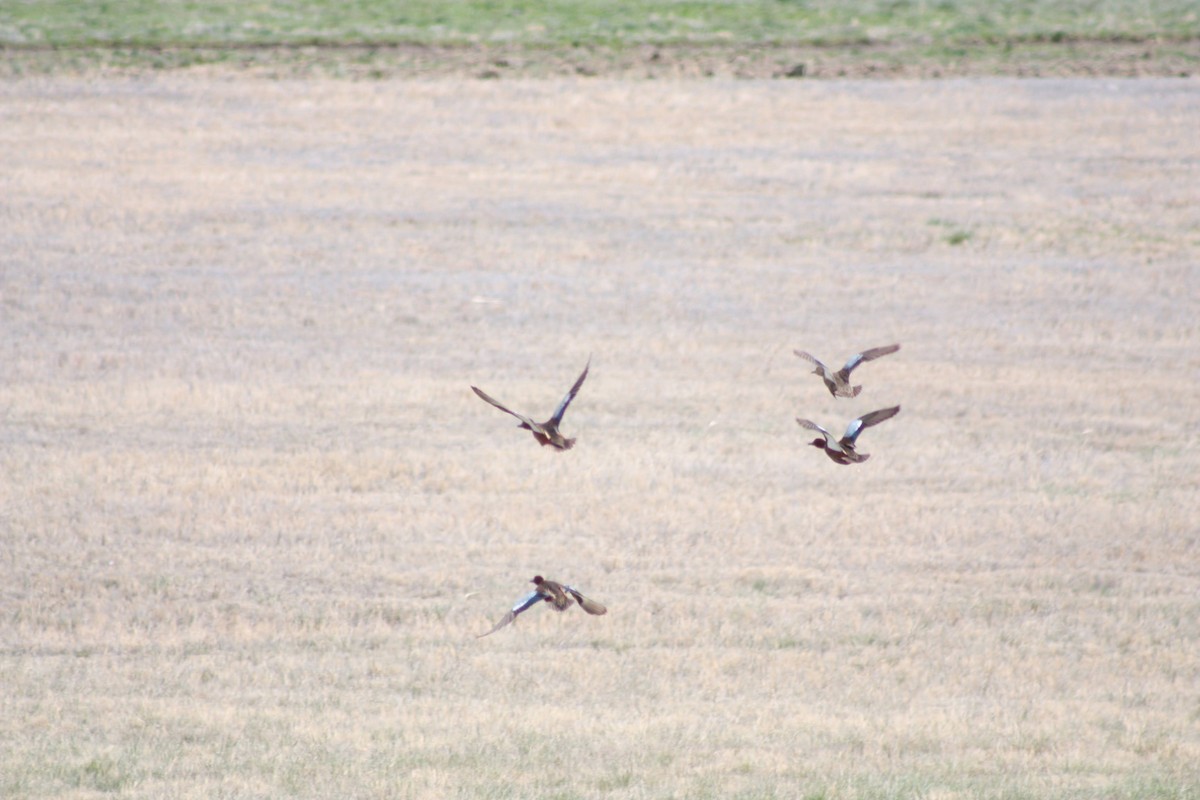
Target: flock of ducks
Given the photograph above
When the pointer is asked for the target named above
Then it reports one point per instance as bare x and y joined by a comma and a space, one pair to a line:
840, 450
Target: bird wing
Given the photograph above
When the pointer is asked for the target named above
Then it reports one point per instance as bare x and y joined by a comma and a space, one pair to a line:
528, 422
812, 358
867, 355
521, 605
587, 604
876, 352
867, 420
557, 416
812, 426
850, 364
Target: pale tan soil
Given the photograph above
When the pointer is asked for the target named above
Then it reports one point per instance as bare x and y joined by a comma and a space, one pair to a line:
252, 517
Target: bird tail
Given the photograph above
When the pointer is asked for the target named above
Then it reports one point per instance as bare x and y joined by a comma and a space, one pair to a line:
591, 606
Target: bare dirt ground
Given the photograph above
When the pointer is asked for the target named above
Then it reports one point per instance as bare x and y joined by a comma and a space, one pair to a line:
252, 517
1072, 58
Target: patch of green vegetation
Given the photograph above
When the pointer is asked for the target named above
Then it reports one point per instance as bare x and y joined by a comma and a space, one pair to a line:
957, 237
619, 780
102, 774
955, 234
227, 23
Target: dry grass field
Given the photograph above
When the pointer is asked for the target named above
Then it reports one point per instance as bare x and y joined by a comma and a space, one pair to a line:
252, 517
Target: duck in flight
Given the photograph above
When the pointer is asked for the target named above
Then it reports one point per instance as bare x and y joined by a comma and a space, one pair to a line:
546, 432
559, 595
838, 382
842, 450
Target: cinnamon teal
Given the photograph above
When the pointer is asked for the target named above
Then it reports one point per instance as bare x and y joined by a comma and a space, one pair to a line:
838, 382
546, 432
842, 450
558, 595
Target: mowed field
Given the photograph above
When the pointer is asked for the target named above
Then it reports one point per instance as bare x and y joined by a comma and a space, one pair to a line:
252, 517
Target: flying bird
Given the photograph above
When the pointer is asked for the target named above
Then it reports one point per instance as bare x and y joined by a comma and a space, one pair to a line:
842, 450
838, 382
559, 595
546, 432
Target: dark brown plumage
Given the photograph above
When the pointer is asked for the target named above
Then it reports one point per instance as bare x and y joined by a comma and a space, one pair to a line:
558, 595
838, 382
842, 451
546, 433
